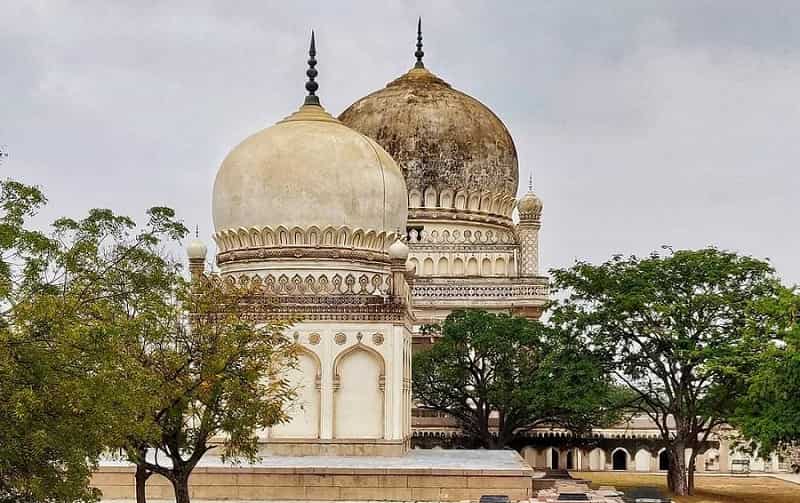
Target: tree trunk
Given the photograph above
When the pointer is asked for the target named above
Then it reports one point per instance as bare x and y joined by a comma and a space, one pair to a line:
691, 469
677, 472
180, 484
141, 483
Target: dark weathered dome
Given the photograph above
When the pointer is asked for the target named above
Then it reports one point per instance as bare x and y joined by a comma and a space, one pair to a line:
443, 140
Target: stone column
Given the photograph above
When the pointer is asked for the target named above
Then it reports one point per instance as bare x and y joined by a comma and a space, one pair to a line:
724, 455
528, 248
197, 267
700, 463
326, 391
530, 213
583, 455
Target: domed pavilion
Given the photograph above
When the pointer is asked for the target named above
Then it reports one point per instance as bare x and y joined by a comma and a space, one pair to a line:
308, 212
461, 169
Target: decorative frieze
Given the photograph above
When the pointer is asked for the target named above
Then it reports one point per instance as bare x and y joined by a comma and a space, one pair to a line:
461, 236
311, 284
280, 237
494, 203
475, 291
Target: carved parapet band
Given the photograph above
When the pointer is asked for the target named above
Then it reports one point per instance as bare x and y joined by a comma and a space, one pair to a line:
296, 238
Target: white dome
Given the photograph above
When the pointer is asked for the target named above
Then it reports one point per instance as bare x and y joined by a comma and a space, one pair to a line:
196, 249
308, 172
530, 206
398, 250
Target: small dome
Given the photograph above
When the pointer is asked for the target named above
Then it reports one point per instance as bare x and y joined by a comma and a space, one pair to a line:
398, 250
196, 249
309, 172
530, 206
442, 138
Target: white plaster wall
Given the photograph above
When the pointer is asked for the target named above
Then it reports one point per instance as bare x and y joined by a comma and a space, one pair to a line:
597, 459
642, 461
529, 455
352, 405
358, 407
304, 412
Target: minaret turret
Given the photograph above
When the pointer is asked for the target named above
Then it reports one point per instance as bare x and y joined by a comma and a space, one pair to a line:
196, 250
530, 221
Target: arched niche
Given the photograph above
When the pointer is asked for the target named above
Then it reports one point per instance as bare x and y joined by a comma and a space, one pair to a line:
555, 461
597, 459
442, 268
458, 267
472, 267
305, 410
500, 266
446, 198
642, 460
461, 200
486, 267
427, 267
663, 460
570, 462
414, 199
430, 197
359, 380
619, 459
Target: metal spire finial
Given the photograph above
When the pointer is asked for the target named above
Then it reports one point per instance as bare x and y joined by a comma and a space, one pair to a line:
419, 54
311, 85
530, 182
197, 231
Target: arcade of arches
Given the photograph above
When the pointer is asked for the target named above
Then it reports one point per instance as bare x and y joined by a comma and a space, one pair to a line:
635, 448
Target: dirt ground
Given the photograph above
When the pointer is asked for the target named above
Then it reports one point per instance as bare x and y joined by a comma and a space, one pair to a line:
707, 489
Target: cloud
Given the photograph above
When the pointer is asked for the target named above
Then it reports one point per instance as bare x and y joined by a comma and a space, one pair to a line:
645, 123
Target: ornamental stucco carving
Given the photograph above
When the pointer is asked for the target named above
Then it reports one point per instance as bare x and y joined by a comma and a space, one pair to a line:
459, 236
319, 284
281, 237
466, 201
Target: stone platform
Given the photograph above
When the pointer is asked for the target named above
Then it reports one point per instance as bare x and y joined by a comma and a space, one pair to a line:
420, 475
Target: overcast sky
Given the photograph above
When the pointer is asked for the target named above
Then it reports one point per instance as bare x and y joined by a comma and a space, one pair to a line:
644, 122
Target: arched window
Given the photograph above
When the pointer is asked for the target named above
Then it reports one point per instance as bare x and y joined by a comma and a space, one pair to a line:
619, 460
663, 460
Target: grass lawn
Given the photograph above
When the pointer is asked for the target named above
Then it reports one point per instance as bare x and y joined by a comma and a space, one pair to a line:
707, 489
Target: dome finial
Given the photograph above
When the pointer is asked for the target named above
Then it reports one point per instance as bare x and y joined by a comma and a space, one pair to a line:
419, 54
197, 231
311, 85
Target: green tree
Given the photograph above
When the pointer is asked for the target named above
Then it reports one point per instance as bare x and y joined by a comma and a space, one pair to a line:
526, 375
60, 382
214, 368
769, 412
684, 331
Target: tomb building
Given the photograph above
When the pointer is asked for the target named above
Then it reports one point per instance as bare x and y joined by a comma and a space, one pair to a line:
308, 212
461, 171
